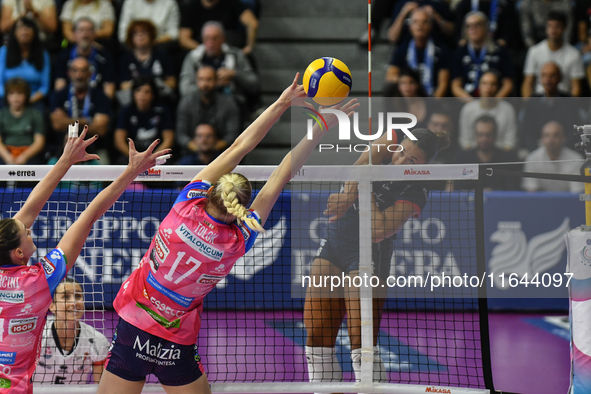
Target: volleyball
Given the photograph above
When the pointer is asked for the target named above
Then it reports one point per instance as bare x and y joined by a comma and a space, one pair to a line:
327, 81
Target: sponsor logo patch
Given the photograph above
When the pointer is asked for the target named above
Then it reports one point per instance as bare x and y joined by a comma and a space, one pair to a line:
162, 250
47, 266
245, 231
151, 173
178, 298
13, 297
210, 279
200, 246
7, 358
194, 193
156, 353
21, 326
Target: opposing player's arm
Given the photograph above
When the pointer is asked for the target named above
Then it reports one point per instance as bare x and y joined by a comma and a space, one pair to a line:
292, 163
339, 203
252, 136
74, 151
74, 239
388, 222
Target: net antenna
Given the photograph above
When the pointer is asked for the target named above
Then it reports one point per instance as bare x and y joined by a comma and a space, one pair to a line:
584, 146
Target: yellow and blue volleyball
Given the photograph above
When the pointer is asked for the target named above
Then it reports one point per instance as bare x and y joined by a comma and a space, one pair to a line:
327, 81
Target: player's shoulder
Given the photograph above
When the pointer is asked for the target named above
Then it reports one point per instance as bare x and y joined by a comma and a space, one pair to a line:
91, 334
193, 191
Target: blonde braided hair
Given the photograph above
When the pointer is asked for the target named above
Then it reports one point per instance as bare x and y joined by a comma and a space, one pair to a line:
231, 193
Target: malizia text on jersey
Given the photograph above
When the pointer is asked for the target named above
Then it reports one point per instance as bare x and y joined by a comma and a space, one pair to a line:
162, 355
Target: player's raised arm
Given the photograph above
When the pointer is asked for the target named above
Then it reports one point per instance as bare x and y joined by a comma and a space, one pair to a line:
74, 151
292, 163
74, 239
252, 136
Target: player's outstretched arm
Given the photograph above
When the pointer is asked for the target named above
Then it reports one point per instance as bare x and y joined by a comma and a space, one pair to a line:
339, 203
74, 239
292, 163
252, 136
74, 151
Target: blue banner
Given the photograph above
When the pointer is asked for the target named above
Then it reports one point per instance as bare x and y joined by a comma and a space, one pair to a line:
523, 234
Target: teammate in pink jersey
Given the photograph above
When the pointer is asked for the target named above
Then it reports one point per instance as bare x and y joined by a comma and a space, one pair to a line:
26, 292
196, 245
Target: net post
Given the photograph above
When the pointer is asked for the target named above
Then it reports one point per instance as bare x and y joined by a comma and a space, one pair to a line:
481, 267
587, 202
365, 292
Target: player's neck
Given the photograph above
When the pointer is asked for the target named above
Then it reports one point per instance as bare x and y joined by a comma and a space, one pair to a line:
216, 214
67, 332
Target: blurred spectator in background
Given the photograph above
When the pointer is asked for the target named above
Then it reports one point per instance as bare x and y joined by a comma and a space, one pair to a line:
553, 49
143, 59
583, 33
408, 96
550, 105
423, 54
438, 12
101, 61
477, 56
41, 11
207, 106
205, 145
80, 102
100, 12
554, 158
24, 57
534, 17
164, 14
440, 120
489, 104
235, 75
22, 130
502, 22
233, 15
485, 130
144, 121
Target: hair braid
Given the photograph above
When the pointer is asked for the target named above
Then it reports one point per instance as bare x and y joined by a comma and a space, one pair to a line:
232, 191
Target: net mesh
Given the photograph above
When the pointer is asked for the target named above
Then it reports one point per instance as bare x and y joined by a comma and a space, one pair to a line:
253, 325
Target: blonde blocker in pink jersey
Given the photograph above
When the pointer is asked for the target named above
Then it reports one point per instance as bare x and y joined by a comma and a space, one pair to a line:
195, 247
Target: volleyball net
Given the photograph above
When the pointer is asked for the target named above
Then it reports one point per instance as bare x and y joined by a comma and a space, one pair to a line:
253, 332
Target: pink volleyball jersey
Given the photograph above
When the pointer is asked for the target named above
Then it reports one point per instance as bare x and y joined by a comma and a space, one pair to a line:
26, 293
190, 253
